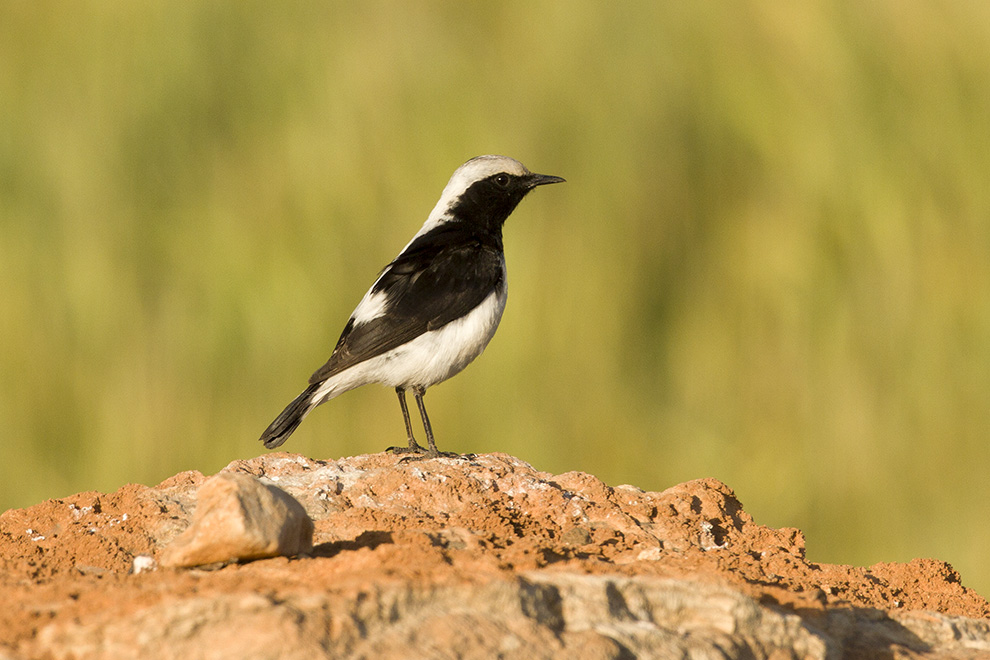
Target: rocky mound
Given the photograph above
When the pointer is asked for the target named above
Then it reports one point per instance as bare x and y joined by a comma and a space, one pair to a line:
475, 559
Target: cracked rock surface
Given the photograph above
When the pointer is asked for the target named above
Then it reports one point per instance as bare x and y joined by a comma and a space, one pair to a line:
464, 559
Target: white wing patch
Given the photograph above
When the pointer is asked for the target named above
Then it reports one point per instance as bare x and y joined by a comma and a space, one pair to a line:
372, 306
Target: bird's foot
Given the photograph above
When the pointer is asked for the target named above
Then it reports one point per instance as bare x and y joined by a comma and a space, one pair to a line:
413, 448
436, 454
420, 453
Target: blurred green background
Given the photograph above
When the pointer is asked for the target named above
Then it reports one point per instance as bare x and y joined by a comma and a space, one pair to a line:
770, 263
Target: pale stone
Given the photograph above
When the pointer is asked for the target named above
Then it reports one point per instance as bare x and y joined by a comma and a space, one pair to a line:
143, 564
238, 517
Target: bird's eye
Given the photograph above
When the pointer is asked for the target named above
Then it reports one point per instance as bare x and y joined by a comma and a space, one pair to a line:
502, 180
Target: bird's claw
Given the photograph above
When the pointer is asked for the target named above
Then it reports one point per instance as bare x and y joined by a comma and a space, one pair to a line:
420, 453
413, 448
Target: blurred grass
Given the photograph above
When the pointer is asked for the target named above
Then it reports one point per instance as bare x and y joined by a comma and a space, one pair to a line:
771, 262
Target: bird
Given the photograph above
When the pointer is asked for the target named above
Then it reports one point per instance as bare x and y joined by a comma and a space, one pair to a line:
434, 308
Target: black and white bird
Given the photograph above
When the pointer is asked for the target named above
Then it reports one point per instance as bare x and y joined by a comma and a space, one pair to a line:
434, 308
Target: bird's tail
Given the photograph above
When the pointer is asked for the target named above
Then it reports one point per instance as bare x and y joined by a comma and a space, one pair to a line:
283, 426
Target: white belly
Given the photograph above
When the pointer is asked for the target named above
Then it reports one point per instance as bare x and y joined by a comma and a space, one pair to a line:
431, 358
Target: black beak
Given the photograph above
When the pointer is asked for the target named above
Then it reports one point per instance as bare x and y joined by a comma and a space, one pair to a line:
543, 179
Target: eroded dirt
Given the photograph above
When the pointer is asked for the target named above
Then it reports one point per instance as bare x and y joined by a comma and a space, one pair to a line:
433, 523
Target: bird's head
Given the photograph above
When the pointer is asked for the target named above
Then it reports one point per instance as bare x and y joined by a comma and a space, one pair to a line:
485, 190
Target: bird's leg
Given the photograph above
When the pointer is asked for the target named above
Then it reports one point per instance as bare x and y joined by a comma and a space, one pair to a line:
418, 393
401, 393
432, 451
414, 447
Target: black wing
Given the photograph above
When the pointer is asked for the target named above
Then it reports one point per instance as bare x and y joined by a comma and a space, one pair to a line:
440, 277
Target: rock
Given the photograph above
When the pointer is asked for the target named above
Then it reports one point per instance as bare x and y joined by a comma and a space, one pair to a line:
143, 564
238, 518
471, 559
530, 616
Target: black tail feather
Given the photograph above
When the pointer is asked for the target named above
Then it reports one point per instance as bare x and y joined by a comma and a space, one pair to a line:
283, 426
